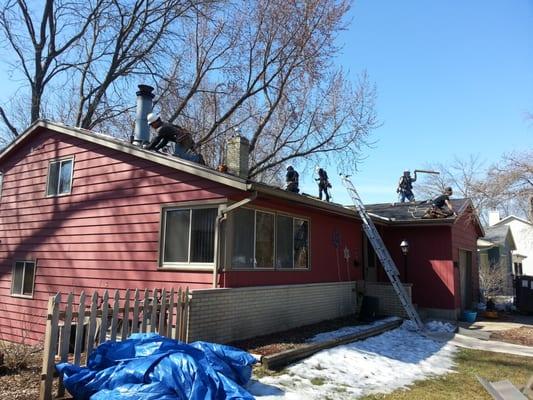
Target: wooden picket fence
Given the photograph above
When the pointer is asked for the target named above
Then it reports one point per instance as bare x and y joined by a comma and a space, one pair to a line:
106, 318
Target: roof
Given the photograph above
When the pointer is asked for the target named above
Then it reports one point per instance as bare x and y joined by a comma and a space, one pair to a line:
409, 212
513, 217
499, 235
176, 163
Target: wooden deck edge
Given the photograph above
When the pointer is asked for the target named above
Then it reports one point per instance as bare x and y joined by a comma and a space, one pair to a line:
279, 360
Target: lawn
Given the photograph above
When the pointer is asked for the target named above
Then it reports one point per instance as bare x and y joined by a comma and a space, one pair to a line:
463, 384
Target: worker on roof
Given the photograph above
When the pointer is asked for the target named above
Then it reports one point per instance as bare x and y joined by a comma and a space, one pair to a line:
167, 132
441, 206
405, 187
323, 183
291, 180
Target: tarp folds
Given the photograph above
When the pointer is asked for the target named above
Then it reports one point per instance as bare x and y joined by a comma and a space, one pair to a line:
148, 367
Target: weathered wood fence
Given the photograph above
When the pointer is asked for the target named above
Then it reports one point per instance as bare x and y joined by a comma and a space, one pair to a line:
73, 330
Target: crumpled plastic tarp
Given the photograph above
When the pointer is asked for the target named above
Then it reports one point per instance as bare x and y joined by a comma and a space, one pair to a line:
147, 366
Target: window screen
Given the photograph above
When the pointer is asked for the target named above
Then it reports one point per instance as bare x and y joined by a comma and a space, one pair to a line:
22, 278
59, 177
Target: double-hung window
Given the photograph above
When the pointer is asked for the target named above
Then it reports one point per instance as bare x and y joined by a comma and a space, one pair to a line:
188, 236
263, 239
59, 177
22, 279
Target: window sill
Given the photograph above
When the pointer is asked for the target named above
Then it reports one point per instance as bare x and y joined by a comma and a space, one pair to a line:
22, 296
57, 195
186, 267
234, 269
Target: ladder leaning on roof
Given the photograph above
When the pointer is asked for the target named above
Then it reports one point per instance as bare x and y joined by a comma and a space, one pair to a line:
382, 252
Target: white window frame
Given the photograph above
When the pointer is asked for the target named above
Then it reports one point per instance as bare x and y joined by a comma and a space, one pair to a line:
230, 233
21, 294
188, 266
60, 161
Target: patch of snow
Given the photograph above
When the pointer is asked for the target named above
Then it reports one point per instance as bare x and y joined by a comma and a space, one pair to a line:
380, 364
347, 330
439, 326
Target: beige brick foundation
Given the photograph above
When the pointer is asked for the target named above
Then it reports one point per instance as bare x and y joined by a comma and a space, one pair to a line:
225, 315
389, 303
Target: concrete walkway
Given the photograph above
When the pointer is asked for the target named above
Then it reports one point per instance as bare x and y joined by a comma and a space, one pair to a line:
491, 345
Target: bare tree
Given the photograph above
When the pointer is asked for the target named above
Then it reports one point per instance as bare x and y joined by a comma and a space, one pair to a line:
506, 185
270, 76
96, 47
40, 45
493, 279
264, 67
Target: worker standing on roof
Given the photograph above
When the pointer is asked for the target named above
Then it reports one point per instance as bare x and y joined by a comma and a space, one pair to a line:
441, 206
323, 183
172, 133
405, 187
291, 180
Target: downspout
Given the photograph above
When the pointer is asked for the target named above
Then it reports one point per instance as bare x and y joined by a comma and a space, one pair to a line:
221, 217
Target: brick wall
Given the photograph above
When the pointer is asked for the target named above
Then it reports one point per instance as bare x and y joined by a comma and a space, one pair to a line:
389, 303
225, 315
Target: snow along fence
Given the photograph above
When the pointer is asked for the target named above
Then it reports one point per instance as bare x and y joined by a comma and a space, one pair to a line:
73, 331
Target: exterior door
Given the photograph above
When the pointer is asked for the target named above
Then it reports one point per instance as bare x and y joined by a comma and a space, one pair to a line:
465, 272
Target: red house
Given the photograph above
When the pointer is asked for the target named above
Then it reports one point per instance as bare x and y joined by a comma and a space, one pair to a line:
81, 211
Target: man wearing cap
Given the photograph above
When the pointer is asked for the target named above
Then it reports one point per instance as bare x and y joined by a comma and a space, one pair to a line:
172, 133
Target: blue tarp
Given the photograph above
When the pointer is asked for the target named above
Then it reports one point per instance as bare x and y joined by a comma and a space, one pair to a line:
151, 367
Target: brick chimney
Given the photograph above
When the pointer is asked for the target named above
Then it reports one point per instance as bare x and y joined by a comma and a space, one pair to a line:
494, 217
237, 156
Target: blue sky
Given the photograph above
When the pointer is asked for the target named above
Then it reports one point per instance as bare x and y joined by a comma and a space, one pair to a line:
453, 78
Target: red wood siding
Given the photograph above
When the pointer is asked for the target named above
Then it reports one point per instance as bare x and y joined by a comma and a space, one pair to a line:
327, 262
103, 235
464, 237
429, 263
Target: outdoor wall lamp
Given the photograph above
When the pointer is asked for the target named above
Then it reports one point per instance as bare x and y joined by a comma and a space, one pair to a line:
404, 245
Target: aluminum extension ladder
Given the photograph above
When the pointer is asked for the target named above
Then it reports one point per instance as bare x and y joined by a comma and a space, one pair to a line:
382, 252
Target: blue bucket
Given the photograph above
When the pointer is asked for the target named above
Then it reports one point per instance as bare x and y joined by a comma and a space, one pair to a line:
469, 316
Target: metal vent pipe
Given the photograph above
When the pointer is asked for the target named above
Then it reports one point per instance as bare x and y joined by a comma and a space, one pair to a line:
144, 107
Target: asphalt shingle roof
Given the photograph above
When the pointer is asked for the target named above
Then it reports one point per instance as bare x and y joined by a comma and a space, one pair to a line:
409, 211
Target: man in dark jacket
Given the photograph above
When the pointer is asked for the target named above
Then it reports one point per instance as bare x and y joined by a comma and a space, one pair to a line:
291, 180
323, 183
405, 187
172, 133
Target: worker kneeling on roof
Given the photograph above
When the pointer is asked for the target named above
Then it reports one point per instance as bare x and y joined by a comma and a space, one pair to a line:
167, 132
441, 206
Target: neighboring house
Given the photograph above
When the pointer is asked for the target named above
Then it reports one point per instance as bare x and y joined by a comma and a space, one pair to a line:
440, 262
522, 231
495, 250
81, 211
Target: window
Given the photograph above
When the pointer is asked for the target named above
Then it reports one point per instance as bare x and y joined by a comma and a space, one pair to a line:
59, 177
22, 278
267, 240
188, 236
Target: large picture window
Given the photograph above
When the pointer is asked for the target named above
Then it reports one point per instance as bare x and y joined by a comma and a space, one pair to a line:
59, 177
188, 236
22, 278
268, 240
